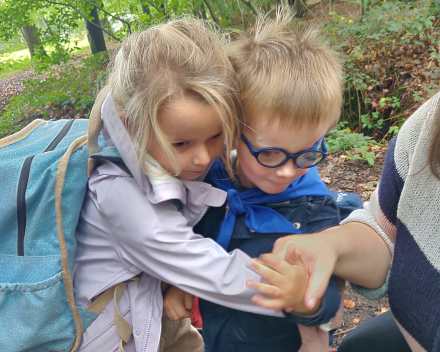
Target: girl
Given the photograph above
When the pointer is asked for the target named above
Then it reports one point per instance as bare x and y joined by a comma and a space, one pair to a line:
171, 105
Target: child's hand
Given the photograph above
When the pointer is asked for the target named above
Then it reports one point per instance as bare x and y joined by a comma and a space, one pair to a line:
178, 304
284, 286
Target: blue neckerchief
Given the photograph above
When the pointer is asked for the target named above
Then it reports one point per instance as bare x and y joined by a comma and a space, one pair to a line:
259, 217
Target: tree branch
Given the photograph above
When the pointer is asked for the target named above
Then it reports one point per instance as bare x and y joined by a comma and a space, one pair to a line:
83, 16
243, 19
315, 4
108, 13
211, 11
251, 6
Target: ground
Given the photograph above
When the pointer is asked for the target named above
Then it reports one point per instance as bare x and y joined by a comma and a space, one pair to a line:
342, 174
337, 171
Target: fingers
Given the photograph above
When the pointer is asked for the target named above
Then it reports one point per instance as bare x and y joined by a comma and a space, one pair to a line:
178, 313
265, 272
268, 290
317, 285
268, 303
189, 301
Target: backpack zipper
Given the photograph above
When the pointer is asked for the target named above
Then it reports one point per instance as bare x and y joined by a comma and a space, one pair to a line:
22, 187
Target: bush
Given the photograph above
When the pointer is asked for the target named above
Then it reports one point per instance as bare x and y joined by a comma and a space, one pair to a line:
390, 70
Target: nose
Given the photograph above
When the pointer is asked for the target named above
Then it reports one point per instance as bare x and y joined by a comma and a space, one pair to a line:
202, 157
287, 170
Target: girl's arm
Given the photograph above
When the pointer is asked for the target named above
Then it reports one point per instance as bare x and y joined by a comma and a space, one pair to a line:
156, 240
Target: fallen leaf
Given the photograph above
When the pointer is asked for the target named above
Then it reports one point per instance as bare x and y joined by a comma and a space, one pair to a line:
356, 320
349, 303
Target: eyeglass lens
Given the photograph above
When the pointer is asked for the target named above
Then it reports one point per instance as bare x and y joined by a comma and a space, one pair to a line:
275, 158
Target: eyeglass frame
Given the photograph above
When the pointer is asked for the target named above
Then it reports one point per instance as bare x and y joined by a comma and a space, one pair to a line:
294, 157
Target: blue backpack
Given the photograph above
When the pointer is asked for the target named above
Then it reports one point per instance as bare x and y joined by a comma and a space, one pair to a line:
43, 181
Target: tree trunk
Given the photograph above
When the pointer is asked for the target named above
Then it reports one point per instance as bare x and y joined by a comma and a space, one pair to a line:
251, 6
212, 12
94, 33
243, 18
299, 7
146, 9
30, 34
199, 12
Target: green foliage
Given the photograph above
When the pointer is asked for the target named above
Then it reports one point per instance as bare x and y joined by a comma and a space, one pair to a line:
390, 69
357, 146
69, 88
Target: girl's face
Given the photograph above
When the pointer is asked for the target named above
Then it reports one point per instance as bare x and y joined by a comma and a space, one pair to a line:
196, 133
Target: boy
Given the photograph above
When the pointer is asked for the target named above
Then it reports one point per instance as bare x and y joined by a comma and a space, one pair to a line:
291, 91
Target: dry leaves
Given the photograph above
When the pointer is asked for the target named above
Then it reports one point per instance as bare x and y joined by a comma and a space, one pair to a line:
348, 303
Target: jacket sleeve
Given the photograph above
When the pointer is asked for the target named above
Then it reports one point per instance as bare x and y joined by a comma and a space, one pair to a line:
156, 240
330, 305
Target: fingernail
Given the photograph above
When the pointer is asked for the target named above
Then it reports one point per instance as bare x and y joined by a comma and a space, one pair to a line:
250, 266
312, 302
248, 283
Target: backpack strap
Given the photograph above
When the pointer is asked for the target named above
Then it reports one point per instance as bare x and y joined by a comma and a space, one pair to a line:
123, 327
95, 127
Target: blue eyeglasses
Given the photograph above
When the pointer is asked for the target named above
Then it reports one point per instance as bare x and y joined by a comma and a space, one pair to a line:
275, 157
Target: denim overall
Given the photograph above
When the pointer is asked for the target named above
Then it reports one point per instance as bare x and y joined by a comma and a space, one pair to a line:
229, 330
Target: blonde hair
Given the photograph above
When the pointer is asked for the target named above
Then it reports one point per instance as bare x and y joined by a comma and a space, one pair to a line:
181, 58
288, 71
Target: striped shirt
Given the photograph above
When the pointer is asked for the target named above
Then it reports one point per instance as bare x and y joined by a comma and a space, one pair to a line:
405, 211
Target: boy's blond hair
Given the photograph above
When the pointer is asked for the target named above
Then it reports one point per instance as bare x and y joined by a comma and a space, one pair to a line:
287, 72
181, 58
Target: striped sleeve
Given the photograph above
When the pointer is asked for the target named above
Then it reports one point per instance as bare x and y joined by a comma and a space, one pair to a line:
381, 212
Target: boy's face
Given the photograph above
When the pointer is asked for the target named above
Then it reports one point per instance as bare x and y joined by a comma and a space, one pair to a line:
262, 134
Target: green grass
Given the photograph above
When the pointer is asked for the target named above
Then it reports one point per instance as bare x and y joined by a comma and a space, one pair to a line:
15, 62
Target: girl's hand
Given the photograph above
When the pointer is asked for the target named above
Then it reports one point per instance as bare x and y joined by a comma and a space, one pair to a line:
284, 283
178, 304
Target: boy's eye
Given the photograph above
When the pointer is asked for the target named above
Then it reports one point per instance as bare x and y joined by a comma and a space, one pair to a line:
179, 144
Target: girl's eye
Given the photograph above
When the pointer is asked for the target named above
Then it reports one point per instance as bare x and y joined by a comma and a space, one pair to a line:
179, 144
216, 136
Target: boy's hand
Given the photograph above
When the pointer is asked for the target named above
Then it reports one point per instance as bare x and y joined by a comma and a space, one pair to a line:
284, 283
178, 304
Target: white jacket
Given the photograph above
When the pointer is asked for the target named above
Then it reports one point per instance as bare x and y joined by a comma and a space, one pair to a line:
129, 225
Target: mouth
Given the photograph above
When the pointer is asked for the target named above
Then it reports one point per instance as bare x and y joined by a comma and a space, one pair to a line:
196, 172
282, 183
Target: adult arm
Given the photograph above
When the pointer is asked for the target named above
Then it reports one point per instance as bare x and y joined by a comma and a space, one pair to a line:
353, 252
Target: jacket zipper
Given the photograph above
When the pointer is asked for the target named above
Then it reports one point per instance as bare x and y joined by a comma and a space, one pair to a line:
150, 319
22, 187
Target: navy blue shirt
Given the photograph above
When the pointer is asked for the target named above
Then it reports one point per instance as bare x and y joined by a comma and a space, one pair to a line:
230, 330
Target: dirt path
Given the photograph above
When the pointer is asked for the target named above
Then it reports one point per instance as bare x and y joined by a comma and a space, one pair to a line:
13, 85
